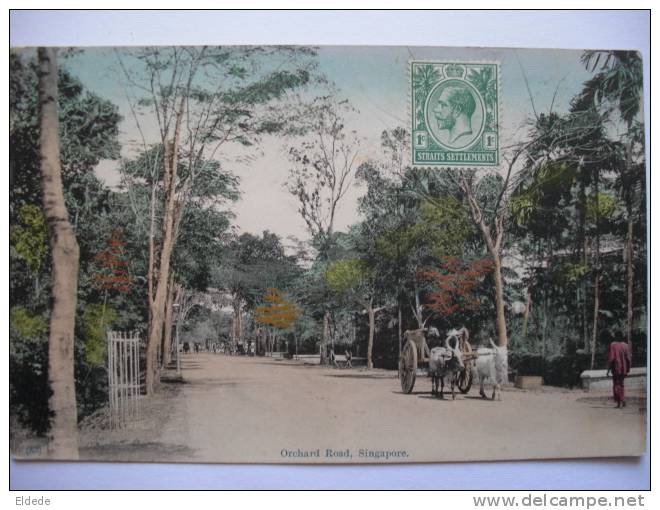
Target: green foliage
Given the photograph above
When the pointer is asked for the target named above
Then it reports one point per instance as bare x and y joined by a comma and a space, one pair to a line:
447, 225
252, 264
97, 319
575, 272
443, 227
522, 206
346, 275
619, 79
28, 383
29, 236
28, 366
601, 207
88, 129
28, 326
542, 193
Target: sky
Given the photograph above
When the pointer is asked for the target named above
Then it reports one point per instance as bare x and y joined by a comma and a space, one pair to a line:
374, 79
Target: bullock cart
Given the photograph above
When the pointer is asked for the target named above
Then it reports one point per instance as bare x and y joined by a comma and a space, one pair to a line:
414, 358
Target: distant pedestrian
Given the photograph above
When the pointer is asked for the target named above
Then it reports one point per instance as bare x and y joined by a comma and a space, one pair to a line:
619, 361
349, 359
333, 360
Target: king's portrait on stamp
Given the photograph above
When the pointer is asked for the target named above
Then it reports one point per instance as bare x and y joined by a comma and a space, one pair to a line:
455, 113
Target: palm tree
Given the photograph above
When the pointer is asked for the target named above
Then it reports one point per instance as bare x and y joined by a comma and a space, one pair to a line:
619, 85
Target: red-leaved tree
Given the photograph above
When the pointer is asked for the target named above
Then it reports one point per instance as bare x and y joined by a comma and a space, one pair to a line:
111, 268
455, 284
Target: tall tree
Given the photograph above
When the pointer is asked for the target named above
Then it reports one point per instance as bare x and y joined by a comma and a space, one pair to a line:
64, 247
354, 278
202, 99
88, 133
323, 167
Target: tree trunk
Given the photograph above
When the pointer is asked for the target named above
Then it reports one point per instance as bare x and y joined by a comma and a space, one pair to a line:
503, 339
157, 306
594, 335
160, 297
594, 332
400, 326
372, 326
236, 323
582, 234
152, 247
528, 308
630, 280
495, 245
167, 334
326, 335
630, 268
239, 332
544, 334
63, 436
418, 308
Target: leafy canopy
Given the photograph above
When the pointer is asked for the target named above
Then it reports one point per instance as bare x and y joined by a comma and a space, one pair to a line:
278, 312
347, 275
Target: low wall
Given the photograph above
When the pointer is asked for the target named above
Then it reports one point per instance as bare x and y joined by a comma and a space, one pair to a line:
315, 359
312, 359
596, 380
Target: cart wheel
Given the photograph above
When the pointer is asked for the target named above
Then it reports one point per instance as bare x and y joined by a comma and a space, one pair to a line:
465, 377
408, 367
465, 380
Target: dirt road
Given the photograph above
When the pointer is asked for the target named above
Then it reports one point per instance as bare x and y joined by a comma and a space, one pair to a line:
243, 409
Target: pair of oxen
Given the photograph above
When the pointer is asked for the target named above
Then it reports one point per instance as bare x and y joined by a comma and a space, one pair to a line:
446, 362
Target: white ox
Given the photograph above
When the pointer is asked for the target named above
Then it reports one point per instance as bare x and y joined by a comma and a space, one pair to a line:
492, 364
444, 362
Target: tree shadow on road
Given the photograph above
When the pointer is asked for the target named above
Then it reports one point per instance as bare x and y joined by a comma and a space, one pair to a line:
360, 376
480, 398
446, 399
136, 451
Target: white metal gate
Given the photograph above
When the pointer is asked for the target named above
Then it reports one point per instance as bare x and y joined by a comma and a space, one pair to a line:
124, 377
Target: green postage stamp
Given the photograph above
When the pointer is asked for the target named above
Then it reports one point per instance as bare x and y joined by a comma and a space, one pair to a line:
455, 114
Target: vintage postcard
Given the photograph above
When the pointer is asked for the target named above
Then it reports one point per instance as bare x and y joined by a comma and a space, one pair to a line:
291, 254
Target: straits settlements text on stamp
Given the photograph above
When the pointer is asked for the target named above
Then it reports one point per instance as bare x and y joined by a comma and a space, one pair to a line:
455, 114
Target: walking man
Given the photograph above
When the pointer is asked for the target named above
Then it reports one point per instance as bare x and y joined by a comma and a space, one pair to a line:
619, 361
